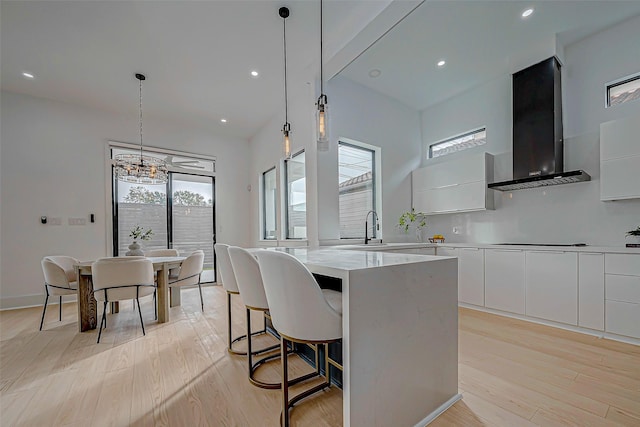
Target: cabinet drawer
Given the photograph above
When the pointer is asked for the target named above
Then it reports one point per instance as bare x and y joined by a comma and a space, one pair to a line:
622, 288
626, 264
623, 318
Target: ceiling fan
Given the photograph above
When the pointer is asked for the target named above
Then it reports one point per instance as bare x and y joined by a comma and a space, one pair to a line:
190, 164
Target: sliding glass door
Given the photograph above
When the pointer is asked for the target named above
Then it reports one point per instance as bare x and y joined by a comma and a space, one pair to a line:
181, 214
191, 218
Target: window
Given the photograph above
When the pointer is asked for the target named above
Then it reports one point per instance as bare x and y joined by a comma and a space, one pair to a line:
356, 189
269, 204
296, 197
624, 90
458, 143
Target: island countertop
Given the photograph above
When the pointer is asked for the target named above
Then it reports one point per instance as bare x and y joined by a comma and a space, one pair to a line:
400, 333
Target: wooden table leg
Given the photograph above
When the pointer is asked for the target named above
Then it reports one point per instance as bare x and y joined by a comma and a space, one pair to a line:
175, 296
86, 303
163, 295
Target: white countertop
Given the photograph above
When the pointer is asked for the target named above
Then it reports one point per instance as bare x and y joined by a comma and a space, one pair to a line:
348, 260
397, 246
598, 249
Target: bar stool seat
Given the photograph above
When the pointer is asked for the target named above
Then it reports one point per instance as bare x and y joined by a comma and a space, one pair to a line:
249, 281
230, 285
300, 313
334, 298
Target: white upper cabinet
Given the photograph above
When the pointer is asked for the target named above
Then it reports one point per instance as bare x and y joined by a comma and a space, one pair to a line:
620, 159
455, 186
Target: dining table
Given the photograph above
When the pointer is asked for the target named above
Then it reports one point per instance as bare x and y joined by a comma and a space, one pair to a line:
87, 307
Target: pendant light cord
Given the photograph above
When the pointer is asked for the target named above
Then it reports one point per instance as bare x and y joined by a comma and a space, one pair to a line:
140, 120
286, 102
321, 78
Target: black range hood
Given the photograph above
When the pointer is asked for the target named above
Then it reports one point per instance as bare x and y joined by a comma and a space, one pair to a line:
537, 130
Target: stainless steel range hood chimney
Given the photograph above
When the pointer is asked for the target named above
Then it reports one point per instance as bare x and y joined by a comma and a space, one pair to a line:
537, 130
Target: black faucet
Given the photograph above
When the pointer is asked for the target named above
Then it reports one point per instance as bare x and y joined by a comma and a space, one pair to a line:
366, 226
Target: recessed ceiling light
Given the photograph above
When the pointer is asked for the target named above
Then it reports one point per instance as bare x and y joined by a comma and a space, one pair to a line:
441, 63
223, 120
527, 13
28, 75
254, 73
374, 73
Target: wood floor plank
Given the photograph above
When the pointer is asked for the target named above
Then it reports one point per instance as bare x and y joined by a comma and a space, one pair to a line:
512, 373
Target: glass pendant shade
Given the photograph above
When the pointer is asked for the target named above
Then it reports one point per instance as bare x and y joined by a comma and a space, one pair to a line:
140, 168
322, 121
286, 131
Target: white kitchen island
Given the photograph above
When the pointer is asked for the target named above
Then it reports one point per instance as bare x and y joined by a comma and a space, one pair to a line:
400, 333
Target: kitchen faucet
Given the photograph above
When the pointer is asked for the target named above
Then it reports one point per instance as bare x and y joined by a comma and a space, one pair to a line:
366, 226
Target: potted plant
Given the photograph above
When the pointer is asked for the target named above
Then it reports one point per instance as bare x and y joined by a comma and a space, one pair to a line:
634, 237
413, 219
138, 233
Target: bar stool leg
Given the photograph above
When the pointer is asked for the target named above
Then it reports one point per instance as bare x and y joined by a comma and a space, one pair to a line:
285, 383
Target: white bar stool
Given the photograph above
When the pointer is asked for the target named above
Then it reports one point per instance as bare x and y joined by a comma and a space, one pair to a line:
301, 312
230, 285
249, 280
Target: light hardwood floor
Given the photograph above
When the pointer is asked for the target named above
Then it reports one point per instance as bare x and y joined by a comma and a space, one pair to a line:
512, 373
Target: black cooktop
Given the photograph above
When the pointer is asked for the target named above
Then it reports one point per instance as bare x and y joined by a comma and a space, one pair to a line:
544, 244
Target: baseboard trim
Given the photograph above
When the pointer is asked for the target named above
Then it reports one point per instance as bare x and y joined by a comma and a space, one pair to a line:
572, 328
37, 300
440, 410
27, 301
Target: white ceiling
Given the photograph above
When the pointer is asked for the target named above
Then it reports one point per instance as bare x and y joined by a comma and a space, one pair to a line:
197, 56
479, 40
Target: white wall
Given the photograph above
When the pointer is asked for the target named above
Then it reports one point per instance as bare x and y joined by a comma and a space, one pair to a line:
564, 213
54, 163
359, 114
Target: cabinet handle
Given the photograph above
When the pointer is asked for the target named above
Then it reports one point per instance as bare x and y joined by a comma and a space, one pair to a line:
506, 250
470, 249
446, 186
591, 253
546, 252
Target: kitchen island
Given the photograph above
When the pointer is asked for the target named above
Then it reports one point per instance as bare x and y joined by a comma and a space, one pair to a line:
400, 333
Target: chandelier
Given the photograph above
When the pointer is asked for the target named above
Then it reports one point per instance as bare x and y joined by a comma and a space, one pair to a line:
140, 168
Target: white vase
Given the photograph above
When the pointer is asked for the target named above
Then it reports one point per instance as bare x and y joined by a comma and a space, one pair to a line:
134, 250
419, 234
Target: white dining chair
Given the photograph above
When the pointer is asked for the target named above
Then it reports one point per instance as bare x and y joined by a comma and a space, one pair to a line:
122, 278
59, 280
161, 252
189, 273
301, 312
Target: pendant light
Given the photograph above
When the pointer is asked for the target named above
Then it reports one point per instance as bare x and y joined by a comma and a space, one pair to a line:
140, 169
322, 111
286, 128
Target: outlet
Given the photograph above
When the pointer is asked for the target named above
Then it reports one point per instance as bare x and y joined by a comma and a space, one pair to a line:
77, 221
456, 230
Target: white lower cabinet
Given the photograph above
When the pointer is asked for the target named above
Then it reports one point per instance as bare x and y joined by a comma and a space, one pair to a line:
623, 318
551, 280
504, 280
471, 276
591, 290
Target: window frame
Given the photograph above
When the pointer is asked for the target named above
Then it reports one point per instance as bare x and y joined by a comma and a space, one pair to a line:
615, 83
286, 195
263, 209
376, 171
453, 138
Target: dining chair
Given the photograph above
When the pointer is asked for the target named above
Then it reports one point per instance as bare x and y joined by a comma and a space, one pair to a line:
59, 280
189, 273
301, 312
161, 252
122, 278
